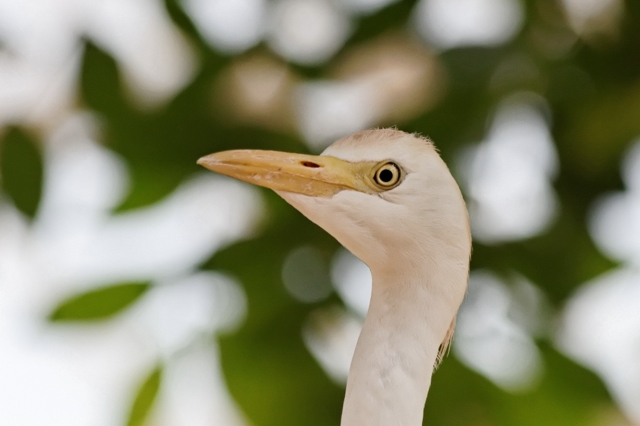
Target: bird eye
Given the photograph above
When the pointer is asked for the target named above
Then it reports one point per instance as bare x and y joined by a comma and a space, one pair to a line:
387, 175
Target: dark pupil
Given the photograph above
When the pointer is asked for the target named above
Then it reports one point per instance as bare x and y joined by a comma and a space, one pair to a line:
386, 175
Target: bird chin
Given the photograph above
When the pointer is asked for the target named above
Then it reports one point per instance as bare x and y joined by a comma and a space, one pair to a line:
320, 210
303, 203
331, 215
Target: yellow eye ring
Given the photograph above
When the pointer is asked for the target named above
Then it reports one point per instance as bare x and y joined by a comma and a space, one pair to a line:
387, 176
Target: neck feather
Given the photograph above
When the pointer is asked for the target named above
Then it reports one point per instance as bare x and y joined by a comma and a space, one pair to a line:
408, 319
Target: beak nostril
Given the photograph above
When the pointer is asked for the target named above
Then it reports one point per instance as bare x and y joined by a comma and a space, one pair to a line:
310, 164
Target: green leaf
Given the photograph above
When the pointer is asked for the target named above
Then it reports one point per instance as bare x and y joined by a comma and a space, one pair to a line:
149, 185
21, 170
99, 304
145, 398
100, 82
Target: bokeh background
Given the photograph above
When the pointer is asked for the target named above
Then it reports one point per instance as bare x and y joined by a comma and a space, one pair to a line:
138, 289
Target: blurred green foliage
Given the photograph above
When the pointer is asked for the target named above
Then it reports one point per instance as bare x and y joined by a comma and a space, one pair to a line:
98, 304
594, 96
567, 395
144, 399
21, 170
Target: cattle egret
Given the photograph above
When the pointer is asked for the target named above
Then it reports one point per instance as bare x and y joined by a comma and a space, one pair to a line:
388, 197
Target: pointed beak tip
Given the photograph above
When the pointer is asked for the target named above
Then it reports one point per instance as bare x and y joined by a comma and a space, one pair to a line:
204, 161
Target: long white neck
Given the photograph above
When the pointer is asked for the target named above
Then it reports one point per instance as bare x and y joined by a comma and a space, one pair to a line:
409, 317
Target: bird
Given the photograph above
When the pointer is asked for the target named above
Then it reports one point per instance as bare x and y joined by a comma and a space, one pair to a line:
389, 198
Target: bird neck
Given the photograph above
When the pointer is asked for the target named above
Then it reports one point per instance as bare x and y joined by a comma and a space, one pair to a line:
409, 316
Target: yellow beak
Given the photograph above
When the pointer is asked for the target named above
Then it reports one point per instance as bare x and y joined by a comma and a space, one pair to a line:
315, 176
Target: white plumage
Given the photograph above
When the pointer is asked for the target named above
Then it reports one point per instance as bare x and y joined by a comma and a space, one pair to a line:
388, 197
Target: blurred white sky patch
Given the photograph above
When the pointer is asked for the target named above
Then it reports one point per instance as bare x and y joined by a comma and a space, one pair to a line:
72, 376
600, 328
40, 61
40, 31
331, 335
589, 17
229, 25
177, 311
495, 330
456, 23
192, 393
85, 374
508, 176
615, 221
352, 280
387, 80
307, 32
330, 110
156, 59
601, 323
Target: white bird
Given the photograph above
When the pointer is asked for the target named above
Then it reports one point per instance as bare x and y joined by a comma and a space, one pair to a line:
388, 197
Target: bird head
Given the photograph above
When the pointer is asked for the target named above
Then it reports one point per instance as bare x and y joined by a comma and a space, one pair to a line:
381, 193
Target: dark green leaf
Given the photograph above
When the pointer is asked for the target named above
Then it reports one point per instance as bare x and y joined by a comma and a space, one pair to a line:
99, 304
21, 170
100, 81
145, 398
